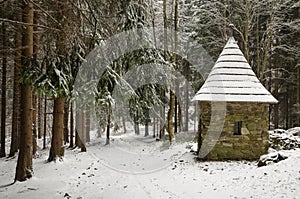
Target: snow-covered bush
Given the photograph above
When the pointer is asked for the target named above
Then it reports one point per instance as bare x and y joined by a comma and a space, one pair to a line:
281, 139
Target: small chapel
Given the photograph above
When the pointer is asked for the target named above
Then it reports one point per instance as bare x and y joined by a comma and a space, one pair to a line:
232, 82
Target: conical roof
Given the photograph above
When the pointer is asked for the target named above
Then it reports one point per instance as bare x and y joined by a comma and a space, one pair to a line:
233, 80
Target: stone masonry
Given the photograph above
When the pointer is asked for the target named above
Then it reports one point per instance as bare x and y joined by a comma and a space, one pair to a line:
254, 139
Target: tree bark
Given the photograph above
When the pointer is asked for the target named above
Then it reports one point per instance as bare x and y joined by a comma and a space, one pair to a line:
108, 130
16, 95
136, 128
66, 122
72, 126
247, 24
186, 121
3, 94
24, 164
268, 45
34, 133
87, 126
34, 97
124, 124
154, 126
276, 106
147, 123
57, 147
170, 117
45, 123
39, 117
298, 97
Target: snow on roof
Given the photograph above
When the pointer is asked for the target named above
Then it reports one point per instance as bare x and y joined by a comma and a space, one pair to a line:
233, 80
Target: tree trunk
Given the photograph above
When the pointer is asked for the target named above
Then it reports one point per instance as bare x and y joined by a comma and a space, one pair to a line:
87, 126
72, 126
34, 97
276, 106
66, 122
162, 113
170, 117
199, 138
24, 164
45, 123
286, 103
258, 48
39, 117
154, 126
147, 123
3, 94
268, 45
247, 24
57, 147
34, 134
136, 128
124, 124
16, 95
298, 97
176, 114
108, 130
186, 121
179, 118
176, 96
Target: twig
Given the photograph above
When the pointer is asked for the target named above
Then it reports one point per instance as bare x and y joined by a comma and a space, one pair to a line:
27, 24
44, 11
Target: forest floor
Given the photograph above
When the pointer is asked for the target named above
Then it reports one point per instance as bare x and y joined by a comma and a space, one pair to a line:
139, 167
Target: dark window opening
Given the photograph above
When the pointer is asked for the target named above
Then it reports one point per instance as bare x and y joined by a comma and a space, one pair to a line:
237, 128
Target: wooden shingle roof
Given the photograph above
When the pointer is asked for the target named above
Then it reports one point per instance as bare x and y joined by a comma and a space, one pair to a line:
233, 80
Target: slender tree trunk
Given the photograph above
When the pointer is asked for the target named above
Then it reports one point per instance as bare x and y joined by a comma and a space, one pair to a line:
39, 117
154, 126
24, 164
45, 123
34, 97
247, 24
257, 47
108, 130
268, 45
286, 100
16, 95
66, 122
147, 123
176, 98
136, 128
176, 114
124, 124
276, 106
72, 126
34, 133
172, 95
162, 113
162, 116
186, 122
199, 138
87, 126
3, 93
298, 97
57, 146
179, 118
170, 117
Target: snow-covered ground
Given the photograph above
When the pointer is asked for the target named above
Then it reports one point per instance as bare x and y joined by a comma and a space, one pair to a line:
140, 167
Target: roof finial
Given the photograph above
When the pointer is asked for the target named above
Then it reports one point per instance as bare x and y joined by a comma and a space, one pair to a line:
231, 28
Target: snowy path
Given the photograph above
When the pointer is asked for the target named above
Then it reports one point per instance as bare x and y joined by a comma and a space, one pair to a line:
137, 167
